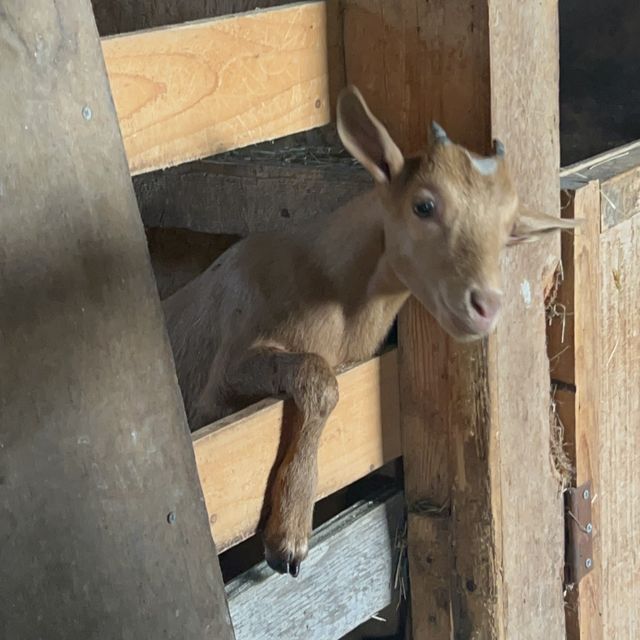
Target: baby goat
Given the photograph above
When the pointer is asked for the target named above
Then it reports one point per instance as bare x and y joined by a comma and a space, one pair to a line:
278, 312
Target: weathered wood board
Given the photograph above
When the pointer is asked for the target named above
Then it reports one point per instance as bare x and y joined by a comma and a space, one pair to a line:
618, 493
362, 434
196, 89
598, 365
103, 529
470, 414
246, 195
349, 575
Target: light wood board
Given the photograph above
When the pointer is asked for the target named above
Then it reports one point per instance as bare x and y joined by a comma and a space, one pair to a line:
196, 89
236, 455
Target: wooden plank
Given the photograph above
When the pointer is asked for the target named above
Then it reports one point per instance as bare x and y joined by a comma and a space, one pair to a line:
247, 195
618, 447
348, 577
579, 364
471, 66
103, 531
201, 88
236, 454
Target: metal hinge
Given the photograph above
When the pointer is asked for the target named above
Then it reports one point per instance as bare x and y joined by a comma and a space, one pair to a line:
579, 532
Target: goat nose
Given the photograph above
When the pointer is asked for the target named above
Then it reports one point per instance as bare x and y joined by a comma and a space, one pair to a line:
485, 304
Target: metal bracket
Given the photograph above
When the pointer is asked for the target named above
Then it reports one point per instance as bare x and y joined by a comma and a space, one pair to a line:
579, 531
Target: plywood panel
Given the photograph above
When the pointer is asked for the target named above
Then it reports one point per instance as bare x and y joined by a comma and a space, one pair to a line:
103, 531
196, 89
235, 455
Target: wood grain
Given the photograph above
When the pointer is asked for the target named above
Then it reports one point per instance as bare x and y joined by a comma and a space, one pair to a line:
578, 363
618, 448
235, 455
201, 88
470, 413
103, 531
348, 576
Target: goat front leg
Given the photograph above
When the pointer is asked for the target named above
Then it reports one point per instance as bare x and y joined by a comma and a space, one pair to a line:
312, 385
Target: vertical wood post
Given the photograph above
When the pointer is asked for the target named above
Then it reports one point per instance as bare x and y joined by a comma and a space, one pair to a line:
103, 529
485, 510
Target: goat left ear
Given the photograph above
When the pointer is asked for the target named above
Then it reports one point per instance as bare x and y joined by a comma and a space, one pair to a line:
530, 225
366, 138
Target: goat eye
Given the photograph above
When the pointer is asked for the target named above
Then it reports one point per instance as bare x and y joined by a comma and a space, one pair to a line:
424, 209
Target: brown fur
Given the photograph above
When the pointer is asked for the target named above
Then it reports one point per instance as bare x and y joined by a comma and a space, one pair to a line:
278, 312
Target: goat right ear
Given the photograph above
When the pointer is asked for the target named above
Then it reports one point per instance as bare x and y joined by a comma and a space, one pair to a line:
365, 137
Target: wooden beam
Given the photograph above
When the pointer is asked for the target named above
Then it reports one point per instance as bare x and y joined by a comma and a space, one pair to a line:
485, 537
103, 531
235, 455
348, 577
246, 195
197, 89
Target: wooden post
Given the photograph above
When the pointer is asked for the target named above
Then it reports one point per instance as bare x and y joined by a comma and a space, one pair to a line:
594, 349
103, 529
485, 510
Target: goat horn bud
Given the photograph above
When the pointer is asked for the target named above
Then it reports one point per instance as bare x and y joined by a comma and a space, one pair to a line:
439, 134
498, 148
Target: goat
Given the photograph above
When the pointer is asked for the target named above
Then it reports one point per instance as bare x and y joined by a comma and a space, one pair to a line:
277, 312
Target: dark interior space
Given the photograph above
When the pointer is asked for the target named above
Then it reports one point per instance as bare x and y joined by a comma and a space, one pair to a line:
599, 76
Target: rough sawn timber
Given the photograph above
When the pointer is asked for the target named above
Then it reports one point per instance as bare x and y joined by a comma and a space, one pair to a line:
486, 533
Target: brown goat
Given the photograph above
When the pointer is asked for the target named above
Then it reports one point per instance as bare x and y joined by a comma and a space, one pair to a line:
278, 312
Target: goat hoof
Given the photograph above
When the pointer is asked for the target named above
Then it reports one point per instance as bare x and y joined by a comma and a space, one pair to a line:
294, 568
284, 560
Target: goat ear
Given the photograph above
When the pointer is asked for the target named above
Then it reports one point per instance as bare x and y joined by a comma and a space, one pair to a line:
530, 225
365, 137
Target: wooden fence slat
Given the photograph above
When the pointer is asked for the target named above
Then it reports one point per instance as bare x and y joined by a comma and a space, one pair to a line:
195, 89
103, 531
574, 336
599, 361
348, 576
469, 413
235, 455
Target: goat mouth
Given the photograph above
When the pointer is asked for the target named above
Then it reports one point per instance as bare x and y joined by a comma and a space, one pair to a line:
458, 327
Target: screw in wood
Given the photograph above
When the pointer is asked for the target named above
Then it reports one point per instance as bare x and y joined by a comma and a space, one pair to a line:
87, 114
588, 563
171, 518
589, 527
585, 494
